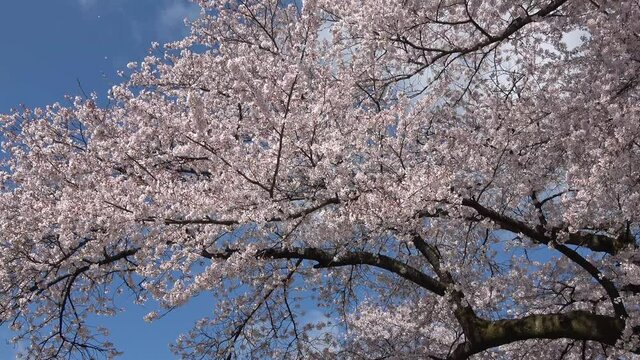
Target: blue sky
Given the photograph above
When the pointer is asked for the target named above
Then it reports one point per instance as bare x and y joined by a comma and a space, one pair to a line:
47, 47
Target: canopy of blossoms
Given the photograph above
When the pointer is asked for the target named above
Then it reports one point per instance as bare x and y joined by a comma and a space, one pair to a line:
442, 179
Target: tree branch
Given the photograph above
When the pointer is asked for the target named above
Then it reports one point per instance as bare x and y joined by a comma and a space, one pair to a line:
577, 325
537, 236
599, 242
594, 242
325, 259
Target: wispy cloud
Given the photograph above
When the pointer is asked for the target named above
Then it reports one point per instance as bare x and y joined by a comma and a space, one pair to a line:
170, 21
87, 4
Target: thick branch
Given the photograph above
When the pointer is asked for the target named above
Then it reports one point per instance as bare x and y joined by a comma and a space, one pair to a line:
520, 227
607, 285
462, 310
326, 259
507, 223
576, 325
599, 242
594, 242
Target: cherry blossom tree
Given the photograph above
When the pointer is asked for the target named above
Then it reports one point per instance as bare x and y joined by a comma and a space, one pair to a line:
440, 179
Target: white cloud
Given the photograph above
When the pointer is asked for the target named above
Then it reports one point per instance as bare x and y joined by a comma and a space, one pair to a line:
86, 4
171, 17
